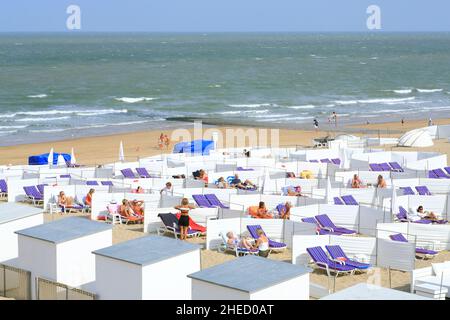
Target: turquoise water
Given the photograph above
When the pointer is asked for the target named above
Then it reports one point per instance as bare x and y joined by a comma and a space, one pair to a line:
54, 86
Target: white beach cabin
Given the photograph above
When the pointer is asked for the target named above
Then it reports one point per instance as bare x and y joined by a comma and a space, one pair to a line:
61, 251
239, 280
15, 217
147, 268
365, 291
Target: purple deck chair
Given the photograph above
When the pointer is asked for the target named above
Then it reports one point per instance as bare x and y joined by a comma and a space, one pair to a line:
325, 161
143, 173
33, 194
447, 169
423, 191
320, 231
201, 201
402, 215
244, 169
441, 174
65, 176
337, 252
407, 191
322, 261
107, 183
338, 201
92, 183
350, 200
326, 222
385, 166
214, 201
336, 161
273, 245
401, 238
40, 187
432, 175
128, 173
170, 222
396, 166
375, 167
3, 187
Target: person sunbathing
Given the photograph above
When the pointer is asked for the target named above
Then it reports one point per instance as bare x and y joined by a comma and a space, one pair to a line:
138, 207
222, 183
285, 212
65, 201
139, 189
262, 212
88, 199
126, 210
294, 191
290, 175
233, 240
381, 183
356, 182
428, 215
237, 183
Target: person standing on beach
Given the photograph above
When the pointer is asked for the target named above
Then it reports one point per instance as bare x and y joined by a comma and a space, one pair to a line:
161, 141
403, 122
316, 124
430, 122
334, 118
183, 222
166, 141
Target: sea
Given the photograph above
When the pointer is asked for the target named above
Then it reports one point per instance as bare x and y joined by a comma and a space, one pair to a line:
56, 86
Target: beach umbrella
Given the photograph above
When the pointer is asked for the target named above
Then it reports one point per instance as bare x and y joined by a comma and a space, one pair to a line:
50, 158
73, 160
328, 196
394, 201
121, 154
61, 161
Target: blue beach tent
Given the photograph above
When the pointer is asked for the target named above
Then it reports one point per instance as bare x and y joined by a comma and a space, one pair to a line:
202, 147
42, 159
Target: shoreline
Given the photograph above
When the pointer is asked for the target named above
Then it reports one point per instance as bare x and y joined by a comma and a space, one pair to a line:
96, 150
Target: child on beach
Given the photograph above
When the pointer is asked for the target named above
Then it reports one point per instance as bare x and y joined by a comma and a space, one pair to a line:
233, 240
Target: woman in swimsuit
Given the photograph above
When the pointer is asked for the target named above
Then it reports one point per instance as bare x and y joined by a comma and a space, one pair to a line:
64, 201
183, 222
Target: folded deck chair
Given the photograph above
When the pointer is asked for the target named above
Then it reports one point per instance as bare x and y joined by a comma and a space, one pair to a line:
338, 201
65, 176
107, 183
143, 173
402, 215
441, 174
215, 202
33, 194
432, 175
326, 222
244, 169
447, 169
315, 161
336, 161
170, 225
407, 191
238, 251
385, 166
325, 161
319, 230
3, 188
92, 183
201, 201
128, 173
322, 261
273, 245
337, 253
396, 166
401, 238
375, 167
423, 191
350, 200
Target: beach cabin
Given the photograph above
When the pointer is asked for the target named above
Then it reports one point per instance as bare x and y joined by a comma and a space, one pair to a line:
147, 268
61, 250
251, 278
15, 217
366, 291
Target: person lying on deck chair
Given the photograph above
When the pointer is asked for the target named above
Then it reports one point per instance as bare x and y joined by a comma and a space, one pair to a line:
138, 207
294, 191
244, 242
262, 211
356, 182
237, 183
428, 215
222, 183
285, 212
127, 211
65, 201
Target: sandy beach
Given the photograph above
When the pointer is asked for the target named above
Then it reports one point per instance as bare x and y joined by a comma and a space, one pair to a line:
98, 150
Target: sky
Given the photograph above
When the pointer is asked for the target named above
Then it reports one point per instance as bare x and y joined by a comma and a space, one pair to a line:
224, 15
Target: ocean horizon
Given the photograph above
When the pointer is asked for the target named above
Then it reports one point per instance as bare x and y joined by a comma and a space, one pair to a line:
58, 86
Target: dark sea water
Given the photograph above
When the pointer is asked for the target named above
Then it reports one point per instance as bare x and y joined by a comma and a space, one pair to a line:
56, 86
